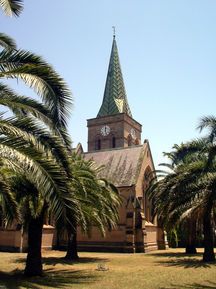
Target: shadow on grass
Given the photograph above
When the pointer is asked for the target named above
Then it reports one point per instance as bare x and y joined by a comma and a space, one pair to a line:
174, 255
186, 263
52, 279
54, 260
208, 285
182, 260
58, 260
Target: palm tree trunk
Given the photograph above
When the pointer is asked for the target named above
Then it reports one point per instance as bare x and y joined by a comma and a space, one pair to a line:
191, 237
208, 255
34, 259
72, 253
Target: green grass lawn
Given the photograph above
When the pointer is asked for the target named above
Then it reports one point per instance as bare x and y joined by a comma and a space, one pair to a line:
157, 270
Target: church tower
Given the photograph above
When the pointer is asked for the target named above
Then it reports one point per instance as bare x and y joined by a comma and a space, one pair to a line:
114, 144
114, 126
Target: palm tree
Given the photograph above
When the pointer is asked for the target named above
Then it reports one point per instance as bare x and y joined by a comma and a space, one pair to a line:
98, 203
34, 140
162, 192
189, 191
205, 167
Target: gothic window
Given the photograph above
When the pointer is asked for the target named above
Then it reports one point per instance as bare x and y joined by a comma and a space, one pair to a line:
129, 139
147, 203
113, 142
98, 144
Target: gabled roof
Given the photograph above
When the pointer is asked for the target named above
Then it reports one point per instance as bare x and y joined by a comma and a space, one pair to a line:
114, 99
121, 166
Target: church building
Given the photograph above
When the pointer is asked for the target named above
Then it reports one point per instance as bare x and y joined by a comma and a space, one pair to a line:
114, 141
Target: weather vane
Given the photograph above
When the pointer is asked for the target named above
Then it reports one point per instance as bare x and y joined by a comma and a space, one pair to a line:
114, 31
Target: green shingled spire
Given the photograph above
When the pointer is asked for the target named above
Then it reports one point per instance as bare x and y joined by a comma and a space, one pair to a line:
114, 99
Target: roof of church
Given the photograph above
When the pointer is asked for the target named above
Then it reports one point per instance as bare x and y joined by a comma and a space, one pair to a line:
114, 99
121, 165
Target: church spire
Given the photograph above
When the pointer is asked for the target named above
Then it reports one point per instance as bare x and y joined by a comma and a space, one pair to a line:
114, 99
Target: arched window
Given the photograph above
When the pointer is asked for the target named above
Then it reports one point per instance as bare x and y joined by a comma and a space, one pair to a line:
98, 144
113, 142
147, 203
129, 139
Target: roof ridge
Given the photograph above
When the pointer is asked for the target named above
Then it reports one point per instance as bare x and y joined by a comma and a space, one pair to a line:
115, 149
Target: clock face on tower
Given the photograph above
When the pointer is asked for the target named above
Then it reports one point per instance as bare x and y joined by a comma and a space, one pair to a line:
105, 130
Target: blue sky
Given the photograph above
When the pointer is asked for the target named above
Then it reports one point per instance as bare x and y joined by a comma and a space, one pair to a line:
167, 50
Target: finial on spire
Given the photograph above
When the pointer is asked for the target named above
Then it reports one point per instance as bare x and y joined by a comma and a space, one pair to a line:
114, 30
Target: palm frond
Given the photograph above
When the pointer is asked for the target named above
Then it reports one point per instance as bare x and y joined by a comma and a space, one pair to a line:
8, 204
12, 7
98, 201
41, 169
208, 122
23, 106
7, 42
40, 76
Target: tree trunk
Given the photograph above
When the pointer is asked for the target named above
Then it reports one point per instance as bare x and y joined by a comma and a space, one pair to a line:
191, 237
34, 259
190, 249
208, 255
72, 253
